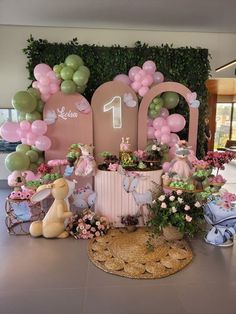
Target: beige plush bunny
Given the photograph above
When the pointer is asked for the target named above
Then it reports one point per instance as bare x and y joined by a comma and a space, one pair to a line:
52, 226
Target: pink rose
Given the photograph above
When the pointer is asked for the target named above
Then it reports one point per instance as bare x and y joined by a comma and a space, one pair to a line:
179, 192
186, 207
97, 234
163, 205
188, 218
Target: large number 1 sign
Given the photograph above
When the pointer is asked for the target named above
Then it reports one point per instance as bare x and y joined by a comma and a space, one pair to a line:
115, 115
115, 106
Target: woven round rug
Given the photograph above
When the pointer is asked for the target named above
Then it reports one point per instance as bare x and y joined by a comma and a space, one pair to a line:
126, 254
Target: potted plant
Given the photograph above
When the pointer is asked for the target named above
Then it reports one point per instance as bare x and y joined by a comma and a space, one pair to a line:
130, 222
175, 214
155, 154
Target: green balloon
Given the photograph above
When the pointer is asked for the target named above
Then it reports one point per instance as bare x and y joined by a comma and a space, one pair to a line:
24, 102
158, 101
171, 100
40, 153
58, 75
33, 167
20, 116
152, 106
34, 92
40, 106
81, 89
152, 114
33, 155
23, 148
67, 73
84, 69
68, 87
17, 161
74, 61
80, 78
40, 161
57, 68
32, 116
158, 107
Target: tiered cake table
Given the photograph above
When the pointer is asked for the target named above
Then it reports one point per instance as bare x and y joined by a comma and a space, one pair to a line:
113, 201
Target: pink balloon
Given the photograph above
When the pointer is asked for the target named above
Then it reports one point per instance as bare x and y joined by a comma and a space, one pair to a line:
52, 76
123, 78
43, 143
45, 97
165, 138
143, 91
150, 133
165, 129
172, 152
176, 122
159, 122
41, 70
24, 140
10, 131
158, 134
166, 166
149, 67
164, 113
44, 81
174, 138
45, 89
140, 75
148, 80
54, 88
133, 71
149, 122
136, 86
32, 136
22, 133
158, 77
25, 125
35, 84
39, 127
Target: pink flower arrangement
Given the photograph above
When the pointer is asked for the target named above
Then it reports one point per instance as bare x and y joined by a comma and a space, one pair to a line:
218, 179
113, 167
140, 154
200, 164
57, 162
87, 225
219, 159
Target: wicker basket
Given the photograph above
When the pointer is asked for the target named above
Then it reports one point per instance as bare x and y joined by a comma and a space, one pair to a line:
171, 233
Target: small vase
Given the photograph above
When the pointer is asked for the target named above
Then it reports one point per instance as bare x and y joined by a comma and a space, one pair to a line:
171, 233
131, 228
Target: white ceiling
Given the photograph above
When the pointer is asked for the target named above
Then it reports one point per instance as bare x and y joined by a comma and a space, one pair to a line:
170, 15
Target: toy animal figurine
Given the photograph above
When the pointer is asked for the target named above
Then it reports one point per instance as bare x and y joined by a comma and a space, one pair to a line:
130, 184
221, 214
86, 165
16, 180
181, 165
85, 197
52, 226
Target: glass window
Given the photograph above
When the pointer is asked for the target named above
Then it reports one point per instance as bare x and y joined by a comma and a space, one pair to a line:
223, 124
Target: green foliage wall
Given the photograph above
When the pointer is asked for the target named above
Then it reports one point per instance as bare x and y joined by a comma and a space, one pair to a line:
186, 65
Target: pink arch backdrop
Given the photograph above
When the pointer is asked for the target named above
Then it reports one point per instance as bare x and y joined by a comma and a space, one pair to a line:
155, 91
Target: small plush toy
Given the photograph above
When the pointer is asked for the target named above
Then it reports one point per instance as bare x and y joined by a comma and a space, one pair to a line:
181, 165
85, 197
16, 180
86, 165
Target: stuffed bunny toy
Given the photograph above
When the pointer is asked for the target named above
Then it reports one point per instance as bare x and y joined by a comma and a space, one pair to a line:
52, 226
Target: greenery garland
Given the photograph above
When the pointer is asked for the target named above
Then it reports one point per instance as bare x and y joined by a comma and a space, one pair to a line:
186, 65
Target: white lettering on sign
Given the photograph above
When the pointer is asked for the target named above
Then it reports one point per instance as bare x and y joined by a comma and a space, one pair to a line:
62, 113
115, 106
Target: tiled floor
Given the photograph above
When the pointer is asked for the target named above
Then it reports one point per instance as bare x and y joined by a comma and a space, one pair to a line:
39, 276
